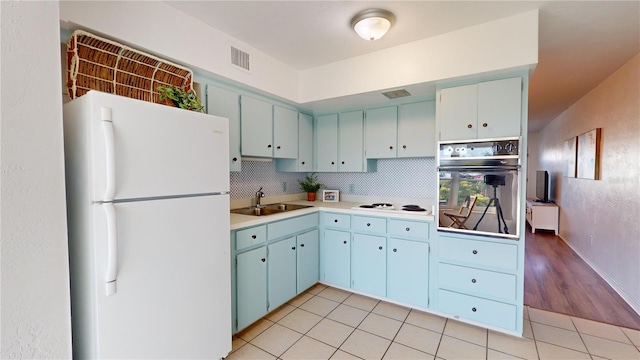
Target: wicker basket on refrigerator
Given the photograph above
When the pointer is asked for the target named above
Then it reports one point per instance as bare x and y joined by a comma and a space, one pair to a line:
96, 63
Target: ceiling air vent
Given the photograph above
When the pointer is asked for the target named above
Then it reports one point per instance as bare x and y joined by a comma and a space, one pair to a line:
240, 58
394, 94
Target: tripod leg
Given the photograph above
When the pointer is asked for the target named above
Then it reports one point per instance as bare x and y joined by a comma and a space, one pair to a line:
501, 216
483, 214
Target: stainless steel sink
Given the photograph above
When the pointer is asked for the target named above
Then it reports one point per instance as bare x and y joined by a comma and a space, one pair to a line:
287, 207
268, 209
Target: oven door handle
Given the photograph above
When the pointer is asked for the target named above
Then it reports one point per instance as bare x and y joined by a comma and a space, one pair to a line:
479, 168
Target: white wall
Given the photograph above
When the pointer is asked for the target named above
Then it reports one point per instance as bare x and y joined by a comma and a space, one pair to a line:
162, 30
36, 319
509, 43
599, 219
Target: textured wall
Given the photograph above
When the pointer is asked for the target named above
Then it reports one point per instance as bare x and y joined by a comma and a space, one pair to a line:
406, 178
600, 218
35, 276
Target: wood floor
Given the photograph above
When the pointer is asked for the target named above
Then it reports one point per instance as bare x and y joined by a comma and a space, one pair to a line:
557, 279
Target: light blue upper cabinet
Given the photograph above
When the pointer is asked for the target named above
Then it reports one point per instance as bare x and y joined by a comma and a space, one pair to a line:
486, 110
305, 143
407, 131
225, 103
257, 127
327, 143
417, 129
499, 107
350, 142
381, 126
304, 160
285, 133
458, 113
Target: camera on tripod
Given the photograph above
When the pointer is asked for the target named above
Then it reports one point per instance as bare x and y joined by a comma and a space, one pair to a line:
494, 180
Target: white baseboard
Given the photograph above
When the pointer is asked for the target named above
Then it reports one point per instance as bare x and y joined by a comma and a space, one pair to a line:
634, 305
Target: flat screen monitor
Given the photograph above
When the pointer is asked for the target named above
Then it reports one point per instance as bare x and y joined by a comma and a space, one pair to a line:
542, 186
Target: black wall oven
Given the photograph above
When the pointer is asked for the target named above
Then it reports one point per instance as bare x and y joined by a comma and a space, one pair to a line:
483, 175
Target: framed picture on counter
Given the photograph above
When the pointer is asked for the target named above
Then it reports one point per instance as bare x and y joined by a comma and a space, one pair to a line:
330, 195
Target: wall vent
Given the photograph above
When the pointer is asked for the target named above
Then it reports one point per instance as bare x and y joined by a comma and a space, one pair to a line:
240, 58
394, 94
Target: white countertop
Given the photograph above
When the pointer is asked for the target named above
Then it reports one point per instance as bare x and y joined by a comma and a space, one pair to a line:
241, 221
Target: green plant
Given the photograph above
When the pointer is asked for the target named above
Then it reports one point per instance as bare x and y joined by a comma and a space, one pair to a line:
183, 99
310, 183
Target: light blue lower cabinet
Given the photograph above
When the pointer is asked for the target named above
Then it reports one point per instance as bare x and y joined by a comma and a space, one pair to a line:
408, 272
281, 272
495, 313
479, 282
369, 267
336, 258
308, 260
251, 286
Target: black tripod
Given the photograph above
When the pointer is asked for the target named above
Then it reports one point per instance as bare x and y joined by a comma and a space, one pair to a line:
494, 181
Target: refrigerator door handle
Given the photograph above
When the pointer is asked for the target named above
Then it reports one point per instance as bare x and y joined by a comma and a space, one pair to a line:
112, 248
109, 143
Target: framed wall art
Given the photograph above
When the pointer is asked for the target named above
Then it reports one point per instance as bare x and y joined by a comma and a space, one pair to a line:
589, 155
330, 195
570, 154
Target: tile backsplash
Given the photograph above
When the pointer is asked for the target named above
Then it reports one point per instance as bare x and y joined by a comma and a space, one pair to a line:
403, 178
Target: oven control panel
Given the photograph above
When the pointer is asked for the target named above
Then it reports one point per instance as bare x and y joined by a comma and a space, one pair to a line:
508, 147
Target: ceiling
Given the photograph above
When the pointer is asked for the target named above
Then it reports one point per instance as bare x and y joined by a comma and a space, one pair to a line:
580, 42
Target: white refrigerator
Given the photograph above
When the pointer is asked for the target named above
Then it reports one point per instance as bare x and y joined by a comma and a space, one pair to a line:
148, 216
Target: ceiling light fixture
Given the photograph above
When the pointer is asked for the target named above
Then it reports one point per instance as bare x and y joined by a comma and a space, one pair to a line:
372, 24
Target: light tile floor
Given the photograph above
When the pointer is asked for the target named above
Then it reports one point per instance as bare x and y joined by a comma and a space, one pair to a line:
328, 323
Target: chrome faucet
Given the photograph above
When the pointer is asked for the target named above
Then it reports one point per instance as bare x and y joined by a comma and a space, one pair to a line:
259, 194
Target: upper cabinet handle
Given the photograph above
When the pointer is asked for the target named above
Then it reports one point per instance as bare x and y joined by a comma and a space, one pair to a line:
469, 126
484, 124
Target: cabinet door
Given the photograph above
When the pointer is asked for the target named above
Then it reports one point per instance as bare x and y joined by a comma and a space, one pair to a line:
251, 286
305, 143
499, 108
308, 260
417, 129
350, 142
381, 126
256, 127
285, 133
336, 258
458, 113
225, 103
282, 272
408, 272
327, 143
369, 264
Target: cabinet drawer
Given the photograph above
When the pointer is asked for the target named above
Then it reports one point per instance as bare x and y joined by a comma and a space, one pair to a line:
482, 253
477, 309
481, 282
291, 226
403, 228
251, 236
341, 221
370, 224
